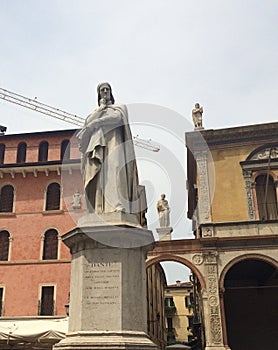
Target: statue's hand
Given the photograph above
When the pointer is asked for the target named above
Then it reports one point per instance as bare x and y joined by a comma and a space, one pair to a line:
103, 104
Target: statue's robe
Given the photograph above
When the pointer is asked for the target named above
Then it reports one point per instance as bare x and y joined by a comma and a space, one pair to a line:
108, 165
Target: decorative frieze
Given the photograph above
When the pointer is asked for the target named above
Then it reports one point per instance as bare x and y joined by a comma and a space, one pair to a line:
204, 208
249, 193
270, 152
215, 328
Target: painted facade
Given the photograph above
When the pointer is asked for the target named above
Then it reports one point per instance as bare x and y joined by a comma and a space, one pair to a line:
179, 312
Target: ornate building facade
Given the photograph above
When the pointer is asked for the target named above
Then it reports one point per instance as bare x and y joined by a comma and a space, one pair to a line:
232, 182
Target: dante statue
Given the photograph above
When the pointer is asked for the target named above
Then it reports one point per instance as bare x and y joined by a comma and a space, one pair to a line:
163, 210
197, 116
108, 164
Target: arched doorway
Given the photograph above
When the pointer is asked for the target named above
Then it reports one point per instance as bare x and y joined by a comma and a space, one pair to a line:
251, 304
181, 310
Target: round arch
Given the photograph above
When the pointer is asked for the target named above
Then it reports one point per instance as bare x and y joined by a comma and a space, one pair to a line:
238, 259
179, 259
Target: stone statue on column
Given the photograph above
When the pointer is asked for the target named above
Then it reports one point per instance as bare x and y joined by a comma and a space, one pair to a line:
108, 165
163, 209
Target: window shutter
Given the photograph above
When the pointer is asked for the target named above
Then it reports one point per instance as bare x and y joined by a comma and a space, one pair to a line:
50, 247
47, 301
53, 197
7, 199
4, 245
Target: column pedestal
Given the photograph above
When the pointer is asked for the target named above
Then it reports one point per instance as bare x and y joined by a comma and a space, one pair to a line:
164, 233
108, 304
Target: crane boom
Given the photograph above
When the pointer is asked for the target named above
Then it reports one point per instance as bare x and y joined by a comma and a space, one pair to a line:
40, 107
57, 113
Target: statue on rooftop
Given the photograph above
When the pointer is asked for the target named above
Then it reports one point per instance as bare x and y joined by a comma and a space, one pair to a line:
197, 116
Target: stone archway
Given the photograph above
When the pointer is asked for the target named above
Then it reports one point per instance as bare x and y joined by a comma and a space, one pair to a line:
176, 258
196, 323
250, 285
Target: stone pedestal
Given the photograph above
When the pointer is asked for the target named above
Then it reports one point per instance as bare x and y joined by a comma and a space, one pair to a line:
108, 306
164, 233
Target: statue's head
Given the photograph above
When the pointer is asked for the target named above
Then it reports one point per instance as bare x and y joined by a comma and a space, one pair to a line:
197, 105
101, 86
163, 196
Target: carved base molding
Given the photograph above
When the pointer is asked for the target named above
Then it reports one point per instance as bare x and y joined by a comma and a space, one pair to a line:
220, 347
106, 340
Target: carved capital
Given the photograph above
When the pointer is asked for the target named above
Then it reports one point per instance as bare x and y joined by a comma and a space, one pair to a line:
211, 258
201, 155
246, 173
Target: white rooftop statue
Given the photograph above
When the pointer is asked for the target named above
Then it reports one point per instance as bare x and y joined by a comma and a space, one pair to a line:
197, 116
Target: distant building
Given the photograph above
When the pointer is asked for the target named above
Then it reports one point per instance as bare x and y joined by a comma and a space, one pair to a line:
179, 312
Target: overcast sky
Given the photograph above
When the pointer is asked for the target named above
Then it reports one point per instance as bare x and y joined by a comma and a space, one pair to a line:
221, 53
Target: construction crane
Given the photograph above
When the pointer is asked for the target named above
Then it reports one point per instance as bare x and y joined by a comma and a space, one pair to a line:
57, 113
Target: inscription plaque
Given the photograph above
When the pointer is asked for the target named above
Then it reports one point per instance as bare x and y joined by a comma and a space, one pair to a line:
102, 295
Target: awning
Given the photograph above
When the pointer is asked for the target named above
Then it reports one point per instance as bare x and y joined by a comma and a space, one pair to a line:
32, 333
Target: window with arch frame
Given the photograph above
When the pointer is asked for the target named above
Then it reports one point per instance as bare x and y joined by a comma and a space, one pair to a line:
43, 151
50, 245
21, 152
4, 245
53, 196
2, 152
6, 199
65, 150
266, 197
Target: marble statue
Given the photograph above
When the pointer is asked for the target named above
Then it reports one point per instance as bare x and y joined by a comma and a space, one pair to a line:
197, 116
76, 200
163, 210
108, 164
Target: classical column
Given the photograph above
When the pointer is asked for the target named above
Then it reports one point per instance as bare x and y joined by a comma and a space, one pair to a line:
276, 187
211, 303
249, 193
223, 318
204, 200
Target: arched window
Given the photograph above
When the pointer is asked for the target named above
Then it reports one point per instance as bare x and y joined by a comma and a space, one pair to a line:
65, 150
2, 153
4, 245
6, 199
53, 195
50, 246
21, 152
266, 197
43, 151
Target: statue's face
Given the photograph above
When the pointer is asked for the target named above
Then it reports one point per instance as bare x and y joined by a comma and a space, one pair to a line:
105, 92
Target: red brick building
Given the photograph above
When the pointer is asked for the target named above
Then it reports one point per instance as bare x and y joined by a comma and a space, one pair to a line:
39, 178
